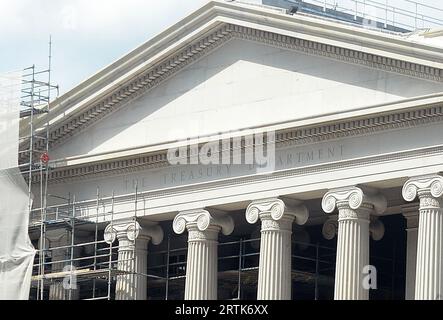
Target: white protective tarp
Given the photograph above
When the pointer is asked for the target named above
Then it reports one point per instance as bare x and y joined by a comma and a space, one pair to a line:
16, 250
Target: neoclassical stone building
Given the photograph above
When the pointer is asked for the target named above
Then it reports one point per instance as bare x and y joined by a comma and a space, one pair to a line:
352, 121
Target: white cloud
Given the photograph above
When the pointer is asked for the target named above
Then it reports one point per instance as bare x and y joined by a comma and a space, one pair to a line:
87, 34
89, 15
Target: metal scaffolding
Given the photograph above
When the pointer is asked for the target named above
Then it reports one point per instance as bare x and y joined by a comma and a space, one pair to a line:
101, 266
96, 270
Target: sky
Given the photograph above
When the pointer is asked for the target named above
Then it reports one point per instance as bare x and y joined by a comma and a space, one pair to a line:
88, 35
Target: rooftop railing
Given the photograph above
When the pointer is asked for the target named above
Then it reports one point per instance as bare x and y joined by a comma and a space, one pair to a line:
404, 14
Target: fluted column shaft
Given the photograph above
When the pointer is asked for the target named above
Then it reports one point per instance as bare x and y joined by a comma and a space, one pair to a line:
133, 240
429, 280
57, 290
352, 253
201, 264
354, 220
133, 259
274, 274
429, 267
202, 259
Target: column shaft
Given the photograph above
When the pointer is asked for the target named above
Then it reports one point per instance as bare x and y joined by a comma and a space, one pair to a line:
352, 256
201, 269
429, 279
133, 240
274, 276
62, 288
57, 292
132, 286
355, 206
275, 265
429, 268
201, 265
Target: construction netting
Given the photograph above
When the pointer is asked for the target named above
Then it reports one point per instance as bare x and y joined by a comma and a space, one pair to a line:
16, 250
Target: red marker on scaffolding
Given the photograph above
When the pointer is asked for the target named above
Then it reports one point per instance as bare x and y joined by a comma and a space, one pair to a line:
44, 157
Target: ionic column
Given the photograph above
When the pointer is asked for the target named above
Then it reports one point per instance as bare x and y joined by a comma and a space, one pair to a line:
274, 275
429, 268
133, 240
354, 210
201, 265
62, 288
410, 212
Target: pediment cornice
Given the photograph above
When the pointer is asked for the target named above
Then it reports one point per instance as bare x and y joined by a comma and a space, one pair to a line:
213, 36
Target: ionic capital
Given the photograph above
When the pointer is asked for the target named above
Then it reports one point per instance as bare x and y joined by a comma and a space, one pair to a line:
277, 210
57, 237
200, 223
354, 202
129, 231
330, 228
429, 186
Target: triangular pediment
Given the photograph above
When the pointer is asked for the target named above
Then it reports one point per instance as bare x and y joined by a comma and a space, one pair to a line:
231, 66
240, 85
